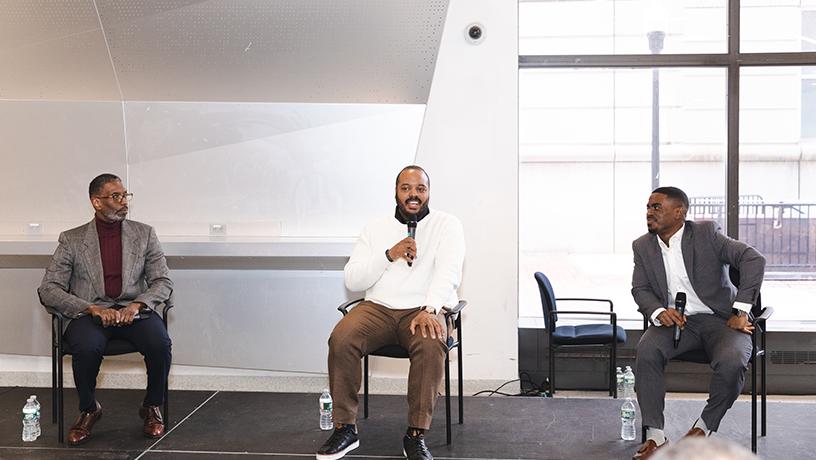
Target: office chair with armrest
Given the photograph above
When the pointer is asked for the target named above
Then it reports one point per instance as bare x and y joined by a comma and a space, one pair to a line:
761, 316
59, 348
396, 351
571, 336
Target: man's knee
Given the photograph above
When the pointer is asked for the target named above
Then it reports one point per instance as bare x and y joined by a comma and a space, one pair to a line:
730, 364
87, 349
429, 347
649, 355
159, 347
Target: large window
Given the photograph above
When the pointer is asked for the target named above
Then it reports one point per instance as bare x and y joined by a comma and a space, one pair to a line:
618, 97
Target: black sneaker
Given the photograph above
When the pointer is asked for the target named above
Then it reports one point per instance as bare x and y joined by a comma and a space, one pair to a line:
415, 448
341, 442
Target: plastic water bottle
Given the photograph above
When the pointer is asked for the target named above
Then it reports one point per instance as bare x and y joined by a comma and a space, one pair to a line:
37, 429
628, 420
629, 383
326, 411
619, 380
29, 420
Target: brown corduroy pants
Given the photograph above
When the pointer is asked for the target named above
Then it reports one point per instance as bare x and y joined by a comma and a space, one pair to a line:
369, 326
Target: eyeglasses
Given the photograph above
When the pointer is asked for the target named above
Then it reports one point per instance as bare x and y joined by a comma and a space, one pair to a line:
118, 197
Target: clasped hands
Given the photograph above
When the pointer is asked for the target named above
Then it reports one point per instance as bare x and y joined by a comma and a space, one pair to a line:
670, 317
115, 317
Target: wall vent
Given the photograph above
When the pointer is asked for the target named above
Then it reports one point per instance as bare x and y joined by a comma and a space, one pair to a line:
793, 357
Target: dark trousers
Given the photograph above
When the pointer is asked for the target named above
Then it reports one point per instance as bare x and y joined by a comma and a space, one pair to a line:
87, 341
729, 350
369, 326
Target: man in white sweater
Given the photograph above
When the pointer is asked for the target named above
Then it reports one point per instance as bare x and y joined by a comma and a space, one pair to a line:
406, 281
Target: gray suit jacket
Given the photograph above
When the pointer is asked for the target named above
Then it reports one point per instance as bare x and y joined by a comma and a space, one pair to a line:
707, 255
74, 280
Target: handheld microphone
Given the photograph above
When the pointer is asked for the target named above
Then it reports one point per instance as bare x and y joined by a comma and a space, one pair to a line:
680, 306
412, 225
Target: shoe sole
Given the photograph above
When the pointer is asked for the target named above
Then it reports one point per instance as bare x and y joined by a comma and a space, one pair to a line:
340, 454
406, 453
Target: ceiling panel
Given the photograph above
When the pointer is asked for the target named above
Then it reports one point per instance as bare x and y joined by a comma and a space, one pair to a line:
335, 51
378, 51
53, 51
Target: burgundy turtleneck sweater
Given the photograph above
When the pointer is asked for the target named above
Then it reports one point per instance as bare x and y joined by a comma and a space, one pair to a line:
110, 248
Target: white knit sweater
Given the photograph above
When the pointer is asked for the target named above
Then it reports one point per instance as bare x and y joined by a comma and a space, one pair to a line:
436, 271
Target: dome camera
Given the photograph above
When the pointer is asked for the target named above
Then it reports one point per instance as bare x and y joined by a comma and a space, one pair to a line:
475, 33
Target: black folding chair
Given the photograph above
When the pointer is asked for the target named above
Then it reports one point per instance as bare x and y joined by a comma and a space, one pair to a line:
59, 348
761, 316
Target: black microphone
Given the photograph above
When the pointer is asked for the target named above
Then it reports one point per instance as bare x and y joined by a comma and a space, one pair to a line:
680, 306
412, 224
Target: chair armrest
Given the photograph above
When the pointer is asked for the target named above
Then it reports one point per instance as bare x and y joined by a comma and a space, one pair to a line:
455, 310
54, 312
343, 308
611, 306
766, 313
613, 317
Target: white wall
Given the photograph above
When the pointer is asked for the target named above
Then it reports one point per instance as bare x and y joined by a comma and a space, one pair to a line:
469, 141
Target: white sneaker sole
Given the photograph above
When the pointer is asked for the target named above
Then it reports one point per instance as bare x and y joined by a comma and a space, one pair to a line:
340, 454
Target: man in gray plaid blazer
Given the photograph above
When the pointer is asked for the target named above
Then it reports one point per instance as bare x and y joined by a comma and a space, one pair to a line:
694, 258
107, 277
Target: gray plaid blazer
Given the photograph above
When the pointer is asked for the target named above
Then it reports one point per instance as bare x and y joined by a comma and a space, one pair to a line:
74, 280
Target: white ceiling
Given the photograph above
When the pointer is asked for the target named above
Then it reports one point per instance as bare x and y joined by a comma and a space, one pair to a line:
360, 51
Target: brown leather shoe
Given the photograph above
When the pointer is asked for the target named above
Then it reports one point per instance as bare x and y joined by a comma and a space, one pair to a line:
648, 449
153, 422
80, 432
695, 432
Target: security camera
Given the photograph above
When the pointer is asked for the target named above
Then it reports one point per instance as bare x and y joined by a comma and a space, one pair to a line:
475, 33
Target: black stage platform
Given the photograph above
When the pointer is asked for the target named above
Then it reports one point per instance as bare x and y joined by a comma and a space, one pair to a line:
219, 425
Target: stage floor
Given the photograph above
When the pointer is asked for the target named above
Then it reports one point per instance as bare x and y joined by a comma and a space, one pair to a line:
219, 425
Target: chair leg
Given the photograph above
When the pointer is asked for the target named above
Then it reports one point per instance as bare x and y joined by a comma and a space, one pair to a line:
552, 370
642, 433
753, 405
613, 360
365, 386
764, 424
60, 400
461, 384
54, 354
447, 400
166, 405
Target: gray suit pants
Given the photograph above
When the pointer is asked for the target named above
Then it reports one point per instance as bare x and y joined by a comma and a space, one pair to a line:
729, 350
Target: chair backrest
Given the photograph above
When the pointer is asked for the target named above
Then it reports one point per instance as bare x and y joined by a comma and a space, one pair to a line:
547, 299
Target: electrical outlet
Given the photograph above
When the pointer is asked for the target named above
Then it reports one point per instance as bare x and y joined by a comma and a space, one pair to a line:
34, 228
218, 229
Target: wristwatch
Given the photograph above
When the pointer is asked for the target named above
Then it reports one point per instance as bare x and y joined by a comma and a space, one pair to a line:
430, 310
738, 312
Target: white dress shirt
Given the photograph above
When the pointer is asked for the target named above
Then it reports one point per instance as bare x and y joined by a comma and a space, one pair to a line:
678, 280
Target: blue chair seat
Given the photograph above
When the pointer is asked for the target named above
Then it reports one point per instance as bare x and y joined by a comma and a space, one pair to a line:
587, 334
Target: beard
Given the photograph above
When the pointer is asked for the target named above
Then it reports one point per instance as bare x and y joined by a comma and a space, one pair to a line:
401, 205
115, 216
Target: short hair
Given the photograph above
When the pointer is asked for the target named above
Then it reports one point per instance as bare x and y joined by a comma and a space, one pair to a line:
99, 181
674, 193
418, 168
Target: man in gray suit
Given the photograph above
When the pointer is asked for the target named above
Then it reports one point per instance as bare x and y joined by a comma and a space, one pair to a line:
675, 256
108, 276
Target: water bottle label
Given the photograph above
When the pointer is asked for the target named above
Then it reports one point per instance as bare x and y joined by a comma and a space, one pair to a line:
627, 414
326, 406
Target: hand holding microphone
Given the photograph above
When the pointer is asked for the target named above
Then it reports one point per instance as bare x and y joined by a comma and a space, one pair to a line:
680, 307
412, 225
